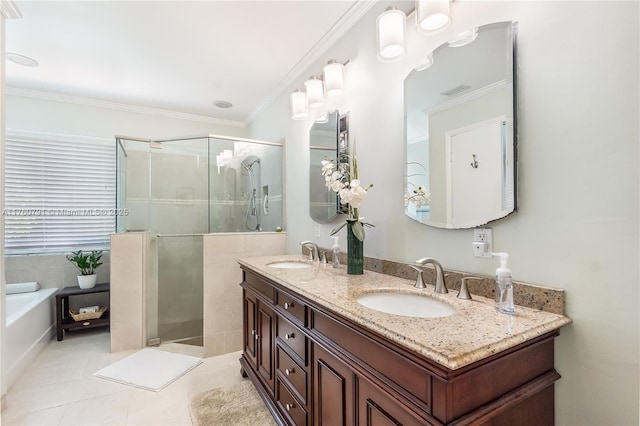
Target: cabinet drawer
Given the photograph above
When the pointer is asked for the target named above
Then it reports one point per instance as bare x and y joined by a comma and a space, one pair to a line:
258, 284
378, 357
292, 337
292, 374
291, 408
292, 307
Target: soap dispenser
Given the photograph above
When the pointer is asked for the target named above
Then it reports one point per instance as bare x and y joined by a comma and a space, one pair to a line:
504, 286
336, 253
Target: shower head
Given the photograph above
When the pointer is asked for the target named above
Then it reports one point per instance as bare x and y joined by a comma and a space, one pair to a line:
248, 164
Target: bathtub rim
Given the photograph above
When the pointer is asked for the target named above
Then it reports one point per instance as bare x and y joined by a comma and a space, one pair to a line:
40, 296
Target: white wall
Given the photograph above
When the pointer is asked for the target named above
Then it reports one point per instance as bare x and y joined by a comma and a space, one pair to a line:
577, 225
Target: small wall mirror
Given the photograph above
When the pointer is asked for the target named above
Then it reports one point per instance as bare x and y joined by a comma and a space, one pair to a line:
460, 109
327, 139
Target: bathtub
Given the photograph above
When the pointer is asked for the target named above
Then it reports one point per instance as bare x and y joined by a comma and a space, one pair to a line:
30, 326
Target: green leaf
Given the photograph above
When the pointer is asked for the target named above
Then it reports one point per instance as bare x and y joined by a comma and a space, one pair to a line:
358, 230
338, 228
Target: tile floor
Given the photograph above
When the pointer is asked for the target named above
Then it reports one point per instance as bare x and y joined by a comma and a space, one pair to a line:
60, 388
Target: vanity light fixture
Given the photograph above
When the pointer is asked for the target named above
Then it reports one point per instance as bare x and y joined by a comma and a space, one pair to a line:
333, 74
464, 38
432, 16
391, 29
315, 91
299, 108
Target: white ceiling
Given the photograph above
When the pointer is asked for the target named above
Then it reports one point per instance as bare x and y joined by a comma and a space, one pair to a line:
174, 55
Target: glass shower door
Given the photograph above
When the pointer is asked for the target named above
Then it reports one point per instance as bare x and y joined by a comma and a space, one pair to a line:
180, 289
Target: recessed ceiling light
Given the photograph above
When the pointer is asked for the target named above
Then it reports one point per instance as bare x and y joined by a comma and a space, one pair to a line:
223, 104
21, 60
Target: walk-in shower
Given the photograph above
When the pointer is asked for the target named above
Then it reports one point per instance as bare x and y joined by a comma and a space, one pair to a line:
182, 188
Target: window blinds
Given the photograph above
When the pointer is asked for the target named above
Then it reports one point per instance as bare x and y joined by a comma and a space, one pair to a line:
60, 192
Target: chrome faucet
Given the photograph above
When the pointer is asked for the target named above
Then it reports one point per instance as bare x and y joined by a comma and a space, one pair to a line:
313, 249
441, 286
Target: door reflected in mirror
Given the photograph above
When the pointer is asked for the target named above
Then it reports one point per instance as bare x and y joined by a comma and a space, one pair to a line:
327, 139
460, 130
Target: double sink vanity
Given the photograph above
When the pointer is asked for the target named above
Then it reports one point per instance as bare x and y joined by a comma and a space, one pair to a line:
326, 348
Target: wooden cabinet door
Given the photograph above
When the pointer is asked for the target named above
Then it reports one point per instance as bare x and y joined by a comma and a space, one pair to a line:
265, 343
334, 390
250, 331
378, 408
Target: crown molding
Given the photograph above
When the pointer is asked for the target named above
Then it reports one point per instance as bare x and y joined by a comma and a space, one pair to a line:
97, 103
346, 21
9, 10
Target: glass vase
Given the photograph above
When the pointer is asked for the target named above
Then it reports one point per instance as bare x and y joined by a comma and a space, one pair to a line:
355, 255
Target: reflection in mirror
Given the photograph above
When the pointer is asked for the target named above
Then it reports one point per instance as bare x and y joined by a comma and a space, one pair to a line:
327, 138
460, 130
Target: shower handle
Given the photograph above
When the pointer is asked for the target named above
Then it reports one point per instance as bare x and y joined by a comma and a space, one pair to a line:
253, 202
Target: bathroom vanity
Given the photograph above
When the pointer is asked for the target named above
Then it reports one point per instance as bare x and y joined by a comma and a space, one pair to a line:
317, 357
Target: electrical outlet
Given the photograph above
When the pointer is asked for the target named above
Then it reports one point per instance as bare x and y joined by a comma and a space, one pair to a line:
317, 232
482, 242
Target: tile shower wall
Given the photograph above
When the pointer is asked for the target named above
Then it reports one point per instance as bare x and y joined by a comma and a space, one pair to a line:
222, 294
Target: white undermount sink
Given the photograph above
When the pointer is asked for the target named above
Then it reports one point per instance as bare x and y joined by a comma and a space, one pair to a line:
406, 304
289, 264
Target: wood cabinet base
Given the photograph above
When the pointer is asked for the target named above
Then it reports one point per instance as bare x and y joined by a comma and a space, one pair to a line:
313, 367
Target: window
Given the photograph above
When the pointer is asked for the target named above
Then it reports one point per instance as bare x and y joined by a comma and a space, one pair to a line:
60, 192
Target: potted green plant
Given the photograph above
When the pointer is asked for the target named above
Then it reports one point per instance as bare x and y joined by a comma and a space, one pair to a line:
87, 263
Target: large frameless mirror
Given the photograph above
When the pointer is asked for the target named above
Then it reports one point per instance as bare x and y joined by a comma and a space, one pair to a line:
327, 138
460, 130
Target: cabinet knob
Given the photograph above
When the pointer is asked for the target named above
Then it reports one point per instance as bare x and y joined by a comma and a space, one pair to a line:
288, 305
289, 371
289, 336
256, 336
86, 323
253, 332
289, 406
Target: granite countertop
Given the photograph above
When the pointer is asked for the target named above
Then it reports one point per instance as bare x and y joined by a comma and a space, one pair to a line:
474, 332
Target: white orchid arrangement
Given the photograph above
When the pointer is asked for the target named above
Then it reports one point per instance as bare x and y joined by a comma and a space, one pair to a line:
344, 181
419, 196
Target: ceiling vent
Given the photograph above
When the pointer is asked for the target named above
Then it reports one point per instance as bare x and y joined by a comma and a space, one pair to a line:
456, 90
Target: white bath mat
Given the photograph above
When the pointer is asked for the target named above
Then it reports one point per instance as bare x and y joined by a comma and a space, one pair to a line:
149, 369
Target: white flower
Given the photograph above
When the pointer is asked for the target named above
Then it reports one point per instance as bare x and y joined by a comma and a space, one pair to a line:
345, 195
337, 185
358, 194
327, 167
418, 196
338, 177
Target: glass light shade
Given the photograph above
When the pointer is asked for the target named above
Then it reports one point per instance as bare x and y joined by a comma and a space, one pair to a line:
432, 16
391, 28
299, 107
333, 78
315, 92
